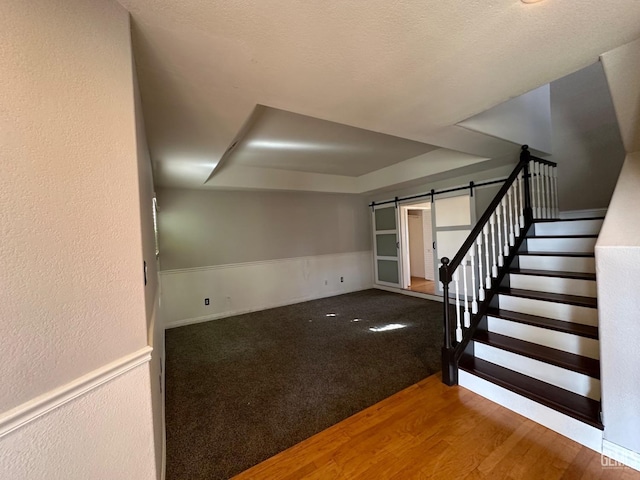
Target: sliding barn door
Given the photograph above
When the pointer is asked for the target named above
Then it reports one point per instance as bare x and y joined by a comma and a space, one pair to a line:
453, 219
386, 245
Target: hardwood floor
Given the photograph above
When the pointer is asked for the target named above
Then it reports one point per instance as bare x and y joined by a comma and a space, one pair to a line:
432, 431
422, 285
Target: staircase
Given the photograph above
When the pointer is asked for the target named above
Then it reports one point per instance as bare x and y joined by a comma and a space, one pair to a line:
520, 307
539, 336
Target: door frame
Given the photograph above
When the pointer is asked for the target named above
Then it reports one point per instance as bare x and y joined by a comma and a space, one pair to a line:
404, 236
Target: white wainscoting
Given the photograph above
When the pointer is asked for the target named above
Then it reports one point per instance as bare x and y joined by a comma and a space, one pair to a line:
31, 410
247, 287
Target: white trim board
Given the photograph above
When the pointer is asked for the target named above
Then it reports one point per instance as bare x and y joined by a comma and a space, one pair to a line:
621, 455
410, 293
31, 410
253, 286
564, 425
590, 213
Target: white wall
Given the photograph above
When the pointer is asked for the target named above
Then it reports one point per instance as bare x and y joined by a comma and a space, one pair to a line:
246, 287
617, 260
71, 256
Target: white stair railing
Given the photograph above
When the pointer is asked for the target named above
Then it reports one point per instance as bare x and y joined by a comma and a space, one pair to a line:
530, 193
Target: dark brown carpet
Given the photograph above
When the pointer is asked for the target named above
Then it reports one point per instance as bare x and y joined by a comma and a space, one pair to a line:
244, 388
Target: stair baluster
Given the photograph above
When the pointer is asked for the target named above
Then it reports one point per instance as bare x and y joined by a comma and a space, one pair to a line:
505, 220
512, 228
487, 254
480, 276
499, 227
494, 267
529, 192
474, 302
456, 278
467, 315
521, 190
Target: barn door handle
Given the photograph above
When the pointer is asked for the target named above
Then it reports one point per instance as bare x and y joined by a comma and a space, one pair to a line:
434, 245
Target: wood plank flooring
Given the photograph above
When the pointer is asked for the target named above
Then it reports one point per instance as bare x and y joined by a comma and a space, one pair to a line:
422, 285
430, 430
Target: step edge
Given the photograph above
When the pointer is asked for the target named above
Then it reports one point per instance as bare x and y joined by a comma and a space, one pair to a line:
559, 325
549, 360
558, 407
577, 430
522, 293
551, 273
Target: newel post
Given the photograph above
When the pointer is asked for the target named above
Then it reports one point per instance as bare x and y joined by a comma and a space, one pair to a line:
449, 367
525, 157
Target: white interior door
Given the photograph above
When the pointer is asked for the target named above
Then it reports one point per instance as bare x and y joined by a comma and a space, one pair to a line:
453, 219
386, 245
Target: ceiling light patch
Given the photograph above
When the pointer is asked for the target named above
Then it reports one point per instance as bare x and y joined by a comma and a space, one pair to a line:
290, 145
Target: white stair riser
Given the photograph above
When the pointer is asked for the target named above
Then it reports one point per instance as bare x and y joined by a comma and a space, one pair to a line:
560, 377
567, 286
576, 227
558, 264
561, 244
586, 347
557, 311
570, 427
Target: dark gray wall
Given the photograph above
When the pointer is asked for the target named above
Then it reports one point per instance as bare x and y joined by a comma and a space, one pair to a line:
586, 139
211, 227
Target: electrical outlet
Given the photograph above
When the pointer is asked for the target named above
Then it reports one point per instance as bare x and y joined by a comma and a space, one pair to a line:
341, 279
206, 301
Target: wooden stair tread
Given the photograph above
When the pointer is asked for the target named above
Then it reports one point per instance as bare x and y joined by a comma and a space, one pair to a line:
557, 237
553, 273
558, 254
577, 363
550, 297
552, 220
549, 323
576, 406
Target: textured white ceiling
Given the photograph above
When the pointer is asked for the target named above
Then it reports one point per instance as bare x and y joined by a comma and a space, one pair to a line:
409, 69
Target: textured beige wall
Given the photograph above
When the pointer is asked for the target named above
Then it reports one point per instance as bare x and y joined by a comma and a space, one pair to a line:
155, 331
70, 256
622, 67
617, 260
201, 228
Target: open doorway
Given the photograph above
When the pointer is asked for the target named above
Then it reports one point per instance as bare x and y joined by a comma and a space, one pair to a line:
417, 252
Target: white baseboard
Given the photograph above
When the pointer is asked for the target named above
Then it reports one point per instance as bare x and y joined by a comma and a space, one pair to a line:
589, 213
253, 286
619, 454
35, 408
564, 425
410, 293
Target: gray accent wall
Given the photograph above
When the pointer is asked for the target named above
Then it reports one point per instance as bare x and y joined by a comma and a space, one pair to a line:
199, 228
587, 145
